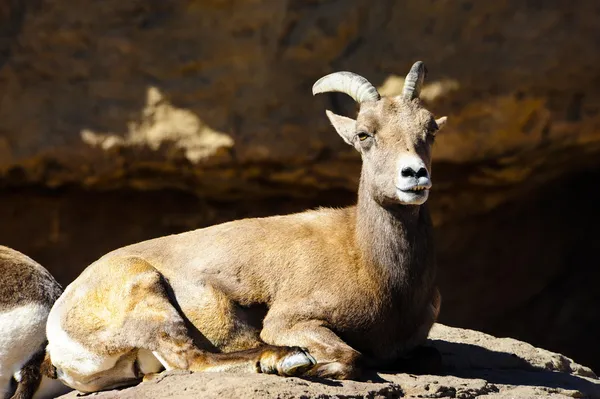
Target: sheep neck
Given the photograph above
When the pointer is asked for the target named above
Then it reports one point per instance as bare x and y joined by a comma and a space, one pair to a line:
394, 240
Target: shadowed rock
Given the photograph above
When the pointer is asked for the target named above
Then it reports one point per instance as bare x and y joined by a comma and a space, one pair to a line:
475, 364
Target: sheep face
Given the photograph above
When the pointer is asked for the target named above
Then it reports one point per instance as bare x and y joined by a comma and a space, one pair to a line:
394, 136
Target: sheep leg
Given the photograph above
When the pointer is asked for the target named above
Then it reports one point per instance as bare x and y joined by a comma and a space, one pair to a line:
30, 377
335, 358
423, 359
269, 359
174, 347
142, 316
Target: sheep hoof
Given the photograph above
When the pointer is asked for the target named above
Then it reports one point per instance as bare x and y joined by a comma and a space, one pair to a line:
297, 363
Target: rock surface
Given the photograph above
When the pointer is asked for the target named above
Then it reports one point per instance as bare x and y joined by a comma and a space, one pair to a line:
476, 365
125, 120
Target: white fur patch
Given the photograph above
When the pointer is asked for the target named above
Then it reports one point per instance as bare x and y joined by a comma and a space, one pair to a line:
22, 334
85, 367
68, 354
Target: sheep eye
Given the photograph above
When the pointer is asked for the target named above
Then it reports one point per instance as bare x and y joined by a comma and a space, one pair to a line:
362, 136
433, 127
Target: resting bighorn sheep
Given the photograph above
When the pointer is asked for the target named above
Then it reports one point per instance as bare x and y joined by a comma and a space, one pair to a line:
27, 292
319, 293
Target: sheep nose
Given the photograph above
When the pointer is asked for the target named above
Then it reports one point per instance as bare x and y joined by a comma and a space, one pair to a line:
409, 171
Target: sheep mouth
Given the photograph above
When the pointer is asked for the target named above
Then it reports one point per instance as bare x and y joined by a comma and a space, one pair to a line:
415, 189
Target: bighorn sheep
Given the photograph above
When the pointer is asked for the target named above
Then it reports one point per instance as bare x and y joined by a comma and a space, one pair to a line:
27, 292
319, 293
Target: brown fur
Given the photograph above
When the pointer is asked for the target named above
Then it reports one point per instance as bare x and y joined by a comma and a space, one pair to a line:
23, 281
46, 367
355, 286
31, 377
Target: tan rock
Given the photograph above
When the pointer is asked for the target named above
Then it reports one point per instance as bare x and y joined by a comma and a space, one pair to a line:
476, 365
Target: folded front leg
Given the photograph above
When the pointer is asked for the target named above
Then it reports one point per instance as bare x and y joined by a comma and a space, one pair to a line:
335, 358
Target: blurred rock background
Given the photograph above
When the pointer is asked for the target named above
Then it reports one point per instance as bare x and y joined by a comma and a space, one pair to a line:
125, 120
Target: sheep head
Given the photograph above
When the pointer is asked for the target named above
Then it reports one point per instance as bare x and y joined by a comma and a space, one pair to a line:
394, 135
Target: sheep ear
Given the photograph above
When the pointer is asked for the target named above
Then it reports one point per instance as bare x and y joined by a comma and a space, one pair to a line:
344, 126
441, 122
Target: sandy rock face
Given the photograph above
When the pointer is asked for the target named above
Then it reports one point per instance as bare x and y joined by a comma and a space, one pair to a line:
476, 364
95, 92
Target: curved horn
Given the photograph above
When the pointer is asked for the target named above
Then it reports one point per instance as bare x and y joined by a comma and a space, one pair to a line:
349, 83
414, 81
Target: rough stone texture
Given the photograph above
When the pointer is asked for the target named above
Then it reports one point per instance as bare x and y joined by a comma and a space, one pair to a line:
476, 364
97, 93
103, 102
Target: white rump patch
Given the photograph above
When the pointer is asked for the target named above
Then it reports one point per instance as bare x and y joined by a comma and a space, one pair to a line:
68, 354
21, 335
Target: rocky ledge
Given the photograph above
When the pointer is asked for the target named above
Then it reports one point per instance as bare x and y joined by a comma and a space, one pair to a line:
475, 364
